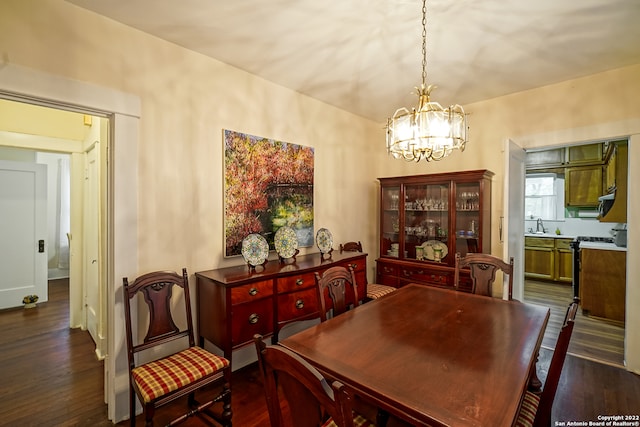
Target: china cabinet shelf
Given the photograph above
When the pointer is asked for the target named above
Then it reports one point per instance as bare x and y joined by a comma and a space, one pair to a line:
426, 219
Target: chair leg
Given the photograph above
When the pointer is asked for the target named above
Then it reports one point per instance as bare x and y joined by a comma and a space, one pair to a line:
132, 407
226, 405
192, 402
381, 418
149, 412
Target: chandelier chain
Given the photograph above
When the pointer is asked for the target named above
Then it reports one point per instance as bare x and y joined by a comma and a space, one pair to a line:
424, 43
428, 132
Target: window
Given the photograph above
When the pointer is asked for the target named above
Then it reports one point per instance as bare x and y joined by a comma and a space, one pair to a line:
543, 196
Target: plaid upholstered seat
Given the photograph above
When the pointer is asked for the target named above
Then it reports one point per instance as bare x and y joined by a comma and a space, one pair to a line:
528, 410
358, 421
375, 291
163, 376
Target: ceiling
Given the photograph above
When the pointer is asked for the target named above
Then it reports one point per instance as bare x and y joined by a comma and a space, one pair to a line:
364, 56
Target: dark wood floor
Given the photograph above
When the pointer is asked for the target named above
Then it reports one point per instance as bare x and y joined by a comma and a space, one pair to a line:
592, 338
50, 377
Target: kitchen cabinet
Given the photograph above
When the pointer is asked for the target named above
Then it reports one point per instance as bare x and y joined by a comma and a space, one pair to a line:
426, 219
587, 154
583, 185
548, 258
545, 159
610, 170
563, 257
539, 254
559, 158
617, 169
603, 283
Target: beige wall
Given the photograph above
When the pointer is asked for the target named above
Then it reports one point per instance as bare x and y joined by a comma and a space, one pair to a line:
187, 99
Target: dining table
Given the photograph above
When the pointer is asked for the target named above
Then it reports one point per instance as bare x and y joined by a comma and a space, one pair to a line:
431, 356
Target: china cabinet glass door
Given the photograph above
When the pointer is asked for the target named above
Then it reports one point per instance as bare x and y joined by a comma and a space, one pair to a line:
390, 245
468, 225
426, 221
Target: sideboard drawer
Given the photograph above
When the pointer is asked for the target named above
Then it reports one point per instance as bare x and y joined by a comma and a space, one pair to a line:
296, 305
294, 283
251, 318
358, 265
251, 292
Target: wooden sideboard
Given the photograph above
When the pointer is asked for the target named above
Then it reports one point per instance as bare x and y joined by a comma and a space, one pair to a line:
235, 303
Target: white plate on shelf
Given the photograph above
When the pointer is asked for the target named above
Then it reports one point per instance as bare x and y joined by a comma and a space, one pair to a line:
429, 245
255, 249
324, 240
286, 242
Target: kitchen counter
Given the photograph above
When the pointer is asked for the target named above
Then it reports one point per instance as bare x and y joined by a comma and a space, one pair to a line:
550, 235
602, 246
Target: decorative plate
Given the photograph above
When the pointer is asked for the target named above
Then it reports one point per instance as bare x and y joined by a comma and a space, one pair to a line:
286, 242
429, 245
255, 249
324, 240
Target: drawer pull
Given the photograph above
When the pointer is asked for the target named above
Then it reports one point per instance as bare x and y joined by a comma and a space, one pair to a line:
299, 282
253, 291
354, 266
299, 304
253, 319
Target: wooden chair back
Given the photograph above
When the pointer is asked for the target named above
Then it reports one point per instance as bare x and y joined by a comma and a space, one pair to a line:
351, 247
482, 270
337, 289
292, 383
543, 414
157, 290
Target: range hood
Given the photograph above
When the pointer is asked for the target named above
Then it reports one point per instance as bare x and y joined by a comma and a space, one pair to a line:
613, 206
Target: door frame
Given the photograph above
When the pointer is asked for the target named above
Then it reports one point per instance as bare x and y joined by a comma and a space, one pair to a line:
35, 87
513, 210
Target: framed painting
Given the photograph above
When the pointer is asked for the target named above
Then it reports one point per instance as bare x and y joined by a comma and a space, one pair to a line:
268, 184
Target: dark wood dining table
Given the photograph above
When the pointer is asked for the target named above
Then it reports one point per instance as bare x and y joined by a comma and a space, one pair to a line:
432, 356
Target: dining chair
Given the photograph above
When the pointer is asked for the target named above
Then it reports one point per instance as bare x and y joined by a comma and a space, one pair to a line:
535, 410
482, 270
374, 290
337, 291
160, 380
299, 396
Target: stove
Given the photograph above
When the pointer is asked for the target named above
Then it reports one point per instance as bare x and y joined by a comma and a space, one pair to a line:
594, 239
575, 245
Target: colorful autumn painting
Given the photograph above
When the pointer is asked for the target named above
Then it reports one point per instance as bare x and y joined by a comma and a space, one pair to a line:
268, 184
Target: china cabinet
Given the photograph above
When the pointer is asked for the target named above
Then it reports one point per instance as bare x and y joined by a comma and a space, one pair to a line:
426, 219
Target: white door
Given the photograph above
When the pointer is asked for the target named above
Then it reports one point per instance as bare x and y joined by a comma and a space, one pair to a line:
23, 230
91, 235
514, 212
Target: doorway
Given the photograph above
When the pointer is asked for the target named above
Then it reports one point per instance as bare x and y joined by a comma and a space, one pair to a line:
564, 219
49, 136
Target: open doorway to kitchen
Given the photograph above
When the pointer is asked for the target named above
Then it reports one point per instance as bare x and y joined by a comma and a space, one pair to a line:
555, 216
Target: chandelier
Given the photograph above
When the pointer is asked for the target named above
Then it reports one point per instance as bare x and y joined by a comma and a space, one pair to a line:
430, 132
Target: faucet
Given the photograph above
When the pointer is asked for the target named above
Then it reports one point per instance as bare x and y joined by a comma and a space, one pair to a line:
539, 226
